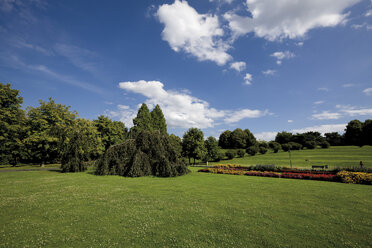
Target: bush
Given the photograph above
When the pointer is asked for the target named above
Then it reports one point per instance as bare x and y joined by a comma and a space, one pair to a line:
275, 146
150, 153
325, 145
230, 154
295, 146
252, 150
286, 147
262, 150
355, 177
310, 144
240, 153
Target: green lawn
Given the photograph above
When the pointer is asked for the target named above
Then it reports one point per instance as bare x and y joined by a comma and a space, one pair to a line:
43, 208
335, 156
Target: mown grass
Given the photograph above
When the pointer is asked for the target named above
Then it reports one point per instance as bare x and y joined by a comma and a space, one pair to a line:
42, 208
335, 156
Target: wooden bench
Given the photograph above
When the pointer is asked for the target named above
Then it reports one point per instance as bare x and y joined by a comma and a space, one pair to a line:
319, 166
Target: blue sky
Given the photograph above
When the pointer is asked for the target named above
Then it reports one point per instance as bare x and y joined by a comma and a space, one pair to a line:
268, 65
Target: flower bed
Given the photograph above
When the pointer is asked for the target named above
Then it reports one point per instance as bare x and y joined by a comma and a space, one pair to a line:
343, 176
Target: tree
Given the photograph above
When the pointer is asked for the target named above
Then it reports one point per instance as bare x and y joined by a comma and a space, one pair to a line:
353, 133
48, 126
224, 140
193, 144
325, 144
143, 120
111, 132
12, 125
252, 150
240, 153
158, 120
367, 132
211, 145
334, 139
150, 153
250, 139
238, 139
275, 146
176, 143
283, 137
83, 144
262, 149
230, 154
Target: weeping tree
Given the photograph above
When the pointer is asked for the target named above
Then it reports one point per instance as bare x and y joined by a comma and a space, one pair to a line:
150, 153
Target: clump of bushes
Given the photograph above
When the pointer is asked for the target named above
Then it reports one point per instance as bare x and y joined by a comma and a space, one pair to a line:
240, 153
275, 146
324, 144
252, 150
230, 154
355, 177
150, 153
291, 146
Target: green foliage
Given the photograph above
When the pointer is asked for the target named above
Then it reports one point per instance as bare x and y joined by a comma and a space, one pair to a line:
240, 153
176, 143
283, 137
12, 126
275, 146
250, 139
48, 126
157, 120
262, 149
295, 146
286, 147
111, 132
252, 150
224, 140
143, 120
334, 139
238, 139
150, 153
193, 144
310, 144
324, 144
83, 143
353, 133
367, 132
211, 145
230, 154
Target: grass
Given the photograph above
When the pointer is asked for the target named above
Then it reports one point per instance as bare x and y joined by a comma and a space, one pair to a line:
43, 208
335, 156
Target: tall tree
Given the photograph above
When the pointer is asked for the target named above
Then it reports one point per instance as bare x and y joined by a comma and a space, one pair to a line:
367, 132
283, 137
176, 143
111, 132
48, 125
158, 120
334, 139
211, 145
224, 140
193, 144
238, 138
12, 125
250, 139
353, 133
143, 119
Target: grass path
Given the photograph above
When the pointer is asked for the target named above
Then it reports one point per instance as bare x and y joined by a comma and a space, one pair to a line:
197, 210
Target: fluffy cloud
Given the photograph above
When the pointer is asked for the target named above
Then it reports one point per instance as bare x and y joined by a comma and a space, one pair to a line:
354, 111
238, 66
282, 55
325, 115
269, 72
248, 79
265, 136
368, 91
318, 102
180, 109
198, 34
278, 19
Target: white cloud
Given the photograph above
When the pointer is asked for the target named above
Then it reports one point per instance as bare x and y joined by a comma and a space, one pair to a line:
248, 79
282, 55
237, 116
348, 85
290, 121
265, 136
325, 115
323, 89
368, 13
278, 19
301, 43
238, 66
318, 102
198, 34
180, 109
269, 72
368, 91
353, 110
322, 128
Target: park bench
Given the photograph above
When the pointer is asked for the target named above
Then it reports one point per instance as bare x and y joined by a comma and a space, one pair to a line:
319, 166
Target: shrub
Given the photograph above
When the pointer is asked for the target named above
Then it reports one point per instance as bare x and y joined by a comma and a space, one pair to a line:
324, 144
355, 177
262, 150
230, 154
295, 146
150, 153
240, 153
310, 144
286, 147
275, 146
252, 150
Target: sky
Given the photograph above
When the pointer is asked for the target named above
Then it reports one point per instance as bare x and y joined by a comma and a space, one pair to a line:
265, 65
